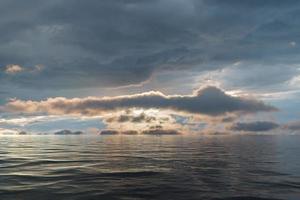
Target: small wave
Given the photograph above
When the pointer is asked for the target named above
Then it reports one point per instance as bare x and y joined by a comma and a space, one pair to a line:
40, 163
244, 198
268, 172
131, 174
110, 174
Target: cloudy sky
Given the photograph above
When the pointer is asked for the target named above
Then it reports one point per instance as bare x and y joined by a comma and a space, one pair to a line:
197, 66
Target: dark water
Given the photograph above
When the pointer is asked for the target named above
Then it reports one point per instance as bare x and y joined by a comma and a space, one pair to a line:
149, 167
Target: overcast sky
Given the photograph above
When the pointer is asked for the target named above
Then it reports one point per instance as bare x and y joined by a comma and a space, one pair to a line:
191, 65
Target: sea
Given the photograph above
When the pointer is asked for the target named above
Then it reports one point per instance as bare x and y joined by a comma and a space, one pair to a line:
140, 167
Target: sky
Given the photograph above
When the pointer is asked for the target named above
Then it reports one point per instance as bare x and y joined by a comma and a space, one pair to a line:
194, 66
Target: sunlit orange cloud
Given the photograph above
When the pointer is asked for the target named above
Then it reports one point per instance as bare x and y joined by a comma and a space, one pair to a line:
13, 69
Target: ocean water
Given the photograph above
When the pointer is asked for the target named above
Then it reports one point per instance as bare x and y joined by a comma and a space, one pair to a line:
149, 167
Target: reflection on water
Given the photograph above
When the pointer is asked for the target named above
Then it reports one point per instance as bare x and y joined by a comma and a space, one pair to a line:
149, 167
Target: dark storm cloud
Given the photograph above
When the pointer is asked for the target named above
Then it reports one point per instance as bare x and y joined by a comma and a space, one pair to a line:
209, 101
254, 126
114, 43
141, 118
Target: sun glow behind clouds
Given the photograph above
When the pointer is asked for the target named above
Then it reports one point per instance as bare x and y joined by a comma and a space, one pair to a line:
140, 119
139, 112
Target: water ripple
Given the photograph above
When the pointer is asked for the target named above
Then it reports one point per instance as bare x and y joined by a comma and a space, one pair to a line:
148, 167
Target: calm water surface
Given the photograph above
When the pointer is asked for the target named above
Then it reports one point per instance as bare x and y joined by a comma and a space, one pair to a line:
149, 167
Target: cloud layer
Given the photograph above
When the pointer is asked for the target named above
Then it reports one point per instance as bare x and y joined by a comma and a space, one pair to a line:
115, 43
254, 126
207, 101
76, 48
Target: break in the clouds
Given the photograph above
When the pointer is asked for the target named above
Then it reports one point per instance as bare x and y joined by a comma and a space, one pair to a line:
207, 101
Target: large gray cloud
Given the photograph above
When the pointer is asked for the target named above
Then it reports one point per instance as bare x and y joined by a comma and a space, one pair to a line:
114, 43
254, 126
208, 101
